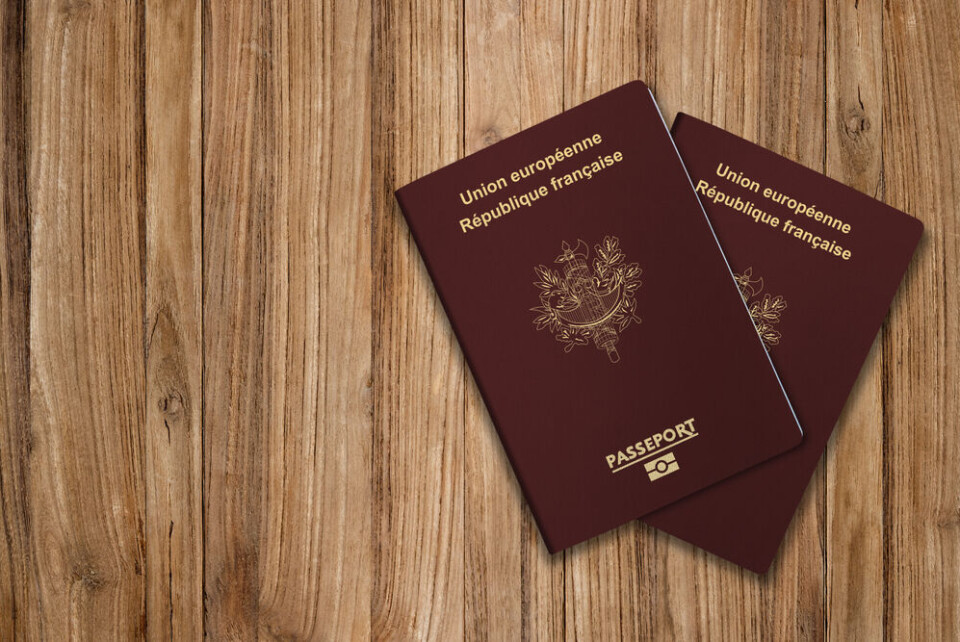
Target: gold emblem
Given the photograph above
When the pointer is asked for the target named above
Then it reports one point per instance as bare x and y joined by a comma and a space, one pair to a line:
764, 311
587, 304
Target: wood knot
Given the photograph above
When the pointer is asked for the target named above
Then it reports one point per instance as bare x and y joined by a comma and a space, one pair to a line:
490, 136
258, 50
856, 124
72, 9
87, 575
949, 518
171, 404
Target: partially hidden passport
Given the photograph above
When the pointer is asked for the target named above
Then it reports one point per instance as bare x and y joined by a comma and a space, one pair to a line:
604, 328
818, 264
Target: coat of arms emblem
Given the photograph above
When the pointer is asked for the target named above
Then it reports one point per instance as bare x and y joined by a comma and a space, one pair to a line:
765, 311
591, 301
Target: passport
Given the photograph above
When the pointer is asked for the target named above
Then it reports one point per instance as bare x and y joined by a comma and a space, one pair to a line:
818, 264
605, 330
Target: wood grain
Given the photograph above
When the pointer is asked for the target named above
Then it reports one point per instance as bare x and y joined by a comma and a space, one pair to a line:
502, 547
922, 343
704, 70
419, 377
542, 598
18, 586
286, 276
231, 404
708, 69
601, 585
174, 341
238, 205
791, 117
854, 155
85, 189
492, 527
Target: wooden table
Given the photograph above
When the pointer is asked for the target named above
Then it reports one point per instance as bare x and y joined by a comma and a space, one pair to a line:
231, 401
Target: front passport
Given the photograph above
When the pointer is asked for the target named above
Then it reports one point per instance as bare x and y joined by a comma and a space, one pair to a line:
818, 264
602, 323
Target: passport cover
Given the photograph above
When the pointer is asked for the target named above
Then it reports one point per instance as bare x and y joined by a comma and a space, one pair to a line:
818, 264
602, 324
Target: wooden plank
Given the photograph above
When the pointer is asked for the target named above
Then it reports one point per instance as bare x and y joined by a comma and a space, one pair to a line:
287, 320
87, 390
790, 84
316, 550
603, 590
513, 70
541, 96
921, 347
418, 375
666, 567
854, 458
492, 525
174, 458
237, 204
17, 585
707, 66
717, 64
706, 63
855, 543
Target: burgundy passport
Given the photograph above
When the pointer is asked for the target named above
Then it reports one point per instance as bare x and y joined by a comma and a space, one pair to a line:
600, 319
818, 264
